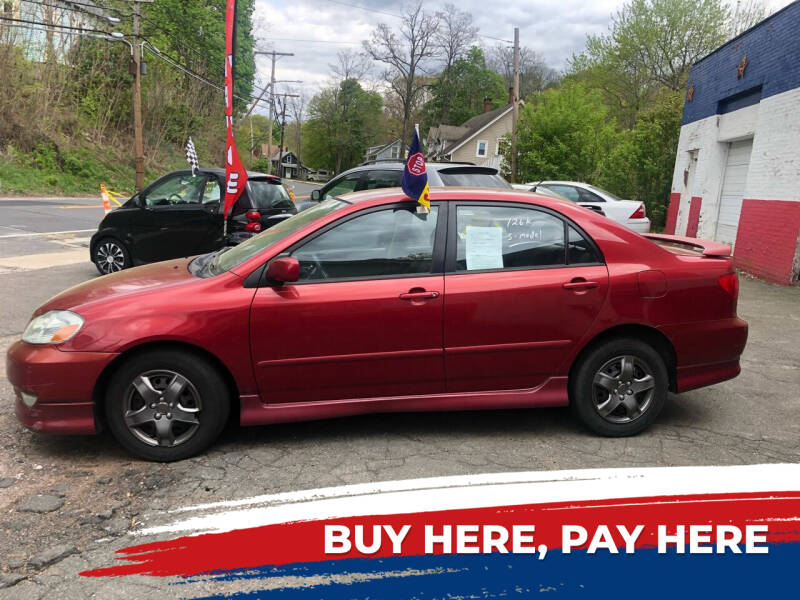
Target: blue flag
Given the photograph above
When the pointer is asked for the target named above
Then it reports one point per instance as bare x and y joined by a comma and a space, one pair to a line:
415, 176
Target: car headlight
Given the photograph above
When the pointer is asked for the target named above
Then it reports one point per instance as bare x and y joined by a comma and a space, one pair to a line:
53, 327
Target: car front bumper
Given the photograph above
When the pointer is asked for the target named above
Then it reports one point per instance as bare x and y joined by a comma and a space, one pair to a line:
54, 389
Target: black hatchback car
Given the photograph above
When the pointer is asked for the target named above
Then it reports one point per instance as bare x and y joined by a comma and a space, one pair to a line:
181, 215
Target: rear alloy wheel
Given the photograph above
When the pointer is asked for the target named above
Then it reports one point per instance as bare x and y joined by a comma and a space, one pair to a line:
110, 256
619, 387
166, 405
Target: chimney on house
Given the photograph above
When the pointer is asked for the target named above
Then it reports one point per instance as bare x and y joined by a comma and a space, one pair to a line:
511, 95
487, 104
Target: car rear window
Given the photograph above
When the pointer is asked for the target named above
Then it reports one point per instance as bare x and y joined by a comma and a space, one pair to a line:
268, 193
472, 177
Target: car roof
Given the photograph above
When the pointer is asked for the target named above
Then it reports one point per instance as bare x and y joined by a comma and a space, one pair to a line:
561, 182
460, 193
433, 166
221, 173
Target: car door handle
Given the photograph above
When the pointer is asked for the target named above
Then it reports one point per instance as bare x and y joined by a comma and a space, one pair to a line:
579, 283
419, 294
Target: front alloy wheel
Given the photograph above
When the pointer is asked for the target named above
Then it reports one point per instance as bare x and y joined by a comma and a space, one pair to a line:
167, 403
110, 257
162, 408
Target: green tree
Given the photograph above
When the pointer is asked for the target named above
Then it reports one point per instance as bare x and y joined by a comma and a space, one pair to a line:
651, 44
564, 133
640, 166
458, 95
194, 33
343, 121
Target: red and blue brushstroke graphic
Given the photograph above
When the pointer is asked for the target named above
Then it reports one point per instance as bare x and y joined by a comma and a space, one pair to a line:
272, 539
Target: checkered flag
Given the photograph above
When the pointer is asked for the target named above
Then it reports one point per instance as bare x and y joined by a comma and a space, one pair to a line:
191, 156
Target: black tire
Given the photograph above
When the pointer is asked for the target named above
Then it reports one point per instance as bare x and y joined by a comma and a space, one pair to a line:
610, 401
166, 417
110, 255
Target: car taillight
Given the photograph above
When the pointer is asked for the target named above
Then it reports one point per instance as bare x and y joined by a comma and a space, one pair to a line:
253, 215
253, 226
730, 283
639, 213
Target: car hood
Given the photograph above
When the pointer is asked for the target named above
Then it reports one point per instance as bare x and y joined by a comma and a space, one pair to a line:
124, 283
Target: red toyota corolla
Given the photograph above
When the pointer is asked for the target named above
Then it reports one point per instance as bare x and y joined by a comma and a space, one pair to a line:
494, 299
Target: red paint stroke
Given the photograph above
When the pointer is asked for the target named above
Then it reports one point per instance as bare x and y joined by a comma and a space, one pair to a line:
303, 541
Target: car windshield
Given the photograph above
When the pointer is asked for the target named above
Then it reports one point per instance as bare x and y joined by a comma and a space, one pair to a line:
229, 258
602, 191
268, 193
468, 179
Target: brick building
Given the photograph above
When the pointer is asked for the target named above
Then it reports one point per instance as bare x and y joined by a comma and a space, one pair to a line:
737, 169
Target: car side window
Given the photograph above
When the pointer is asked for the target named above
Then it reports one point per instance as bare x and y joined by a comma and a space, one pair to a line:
213, 191
503, 237
569, 192
344, 185
176, 191
382, 179
579, 250
587, 196
396, 241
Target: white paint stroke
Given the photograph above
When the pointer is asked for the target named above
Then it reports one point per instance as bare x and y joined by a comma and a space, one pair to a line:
477, 491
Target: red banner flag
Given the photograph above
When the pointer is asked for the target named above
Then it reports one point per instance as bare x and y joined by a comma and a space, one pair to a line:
235, 173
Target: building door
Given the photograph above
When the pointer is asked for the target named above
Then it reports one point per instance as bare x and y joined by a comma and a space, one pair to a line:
734, 183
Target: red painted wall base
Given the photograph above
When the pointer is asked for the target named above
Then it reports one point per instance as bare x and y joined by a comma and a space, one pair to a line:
672, 213
694, 216
767, 239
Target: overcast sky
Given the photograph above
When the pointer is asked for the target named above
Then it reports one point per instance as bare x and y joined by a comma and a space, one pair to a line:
315, 30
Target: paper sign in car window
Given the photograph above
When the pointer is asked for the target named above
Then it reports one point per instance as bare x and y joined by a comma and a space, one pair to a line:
484, 248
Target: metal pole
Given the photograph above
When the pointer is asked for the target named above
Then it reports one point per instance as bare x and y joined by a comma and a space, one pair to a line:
280, 148
137, 100
514, 132
269, 124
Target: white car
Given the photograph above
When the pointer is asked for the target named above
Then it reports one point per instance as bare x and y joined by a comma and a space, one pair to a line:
630, 213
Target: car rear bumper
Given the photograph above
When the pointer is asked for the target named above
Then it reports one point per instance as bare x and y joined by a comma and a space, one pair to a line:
638, 225
54, 389
707, 352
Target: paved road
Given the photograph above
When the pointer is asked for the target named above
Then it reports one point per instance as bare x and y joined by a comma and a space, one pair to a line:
36, 226
106, 494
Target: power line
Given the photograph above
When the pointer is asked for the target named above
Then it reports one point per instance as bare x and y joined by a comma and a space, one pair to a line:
396, 16
313, 41
171, 61
372, 10
28, 22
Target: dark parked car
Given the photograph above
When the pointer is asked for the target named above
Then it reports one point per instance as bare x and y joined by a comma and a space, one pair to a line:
181, 215
385, 174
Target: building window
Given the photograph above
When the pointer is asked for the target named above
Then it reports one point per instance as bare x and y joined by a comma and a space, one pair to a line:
482, 148
395, 152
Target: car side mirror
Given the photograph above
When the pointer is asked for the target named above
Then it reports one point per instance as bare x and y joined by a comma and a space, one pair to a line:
284, 270
316, 195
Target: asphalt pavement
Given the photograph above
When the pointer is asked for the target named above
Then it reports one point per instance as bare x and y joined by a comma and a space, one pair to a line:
89, 495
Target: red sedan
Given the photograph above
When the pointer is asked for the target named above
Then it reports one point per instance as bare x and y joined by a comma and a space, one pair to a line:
494, 299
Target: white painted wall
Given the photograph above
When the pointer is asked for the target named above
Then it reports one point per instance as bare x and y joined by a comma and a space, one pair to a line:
774, 126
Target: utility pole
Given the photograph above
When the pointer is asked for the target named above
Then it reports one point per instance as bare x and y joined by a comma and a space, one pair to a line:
283, 128
514, 125
271, 88
137, 97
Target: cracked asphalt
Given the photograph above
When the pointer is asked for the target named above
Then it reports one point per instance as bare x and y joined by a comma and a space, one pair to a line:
87, 495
